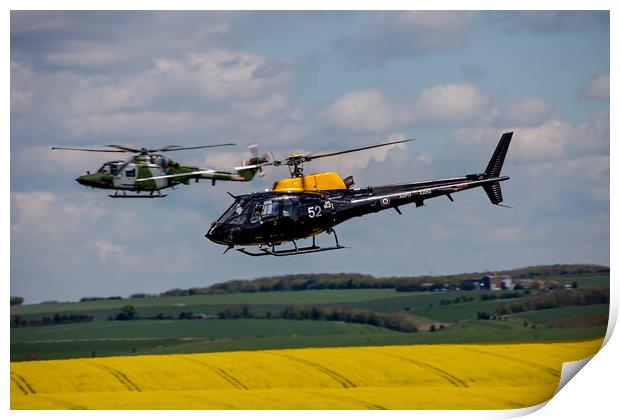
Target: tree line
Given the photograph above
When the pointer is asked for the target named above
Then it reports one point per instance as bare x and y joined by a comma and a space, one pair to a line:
364, 281
398, 321
19, 321
555, 299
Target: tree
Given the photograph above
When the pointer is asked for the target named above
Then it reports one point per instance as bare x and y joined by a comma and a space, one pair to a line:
127, 313
16, 300
483, 315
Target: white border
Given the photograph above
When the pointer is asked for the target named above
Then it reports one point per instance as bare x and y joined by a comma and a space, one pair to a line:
592, 395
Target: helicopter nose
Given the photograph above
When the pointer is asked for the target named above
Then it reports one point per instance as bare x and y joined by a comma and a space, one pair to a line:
217, 234
81, 180
212, 234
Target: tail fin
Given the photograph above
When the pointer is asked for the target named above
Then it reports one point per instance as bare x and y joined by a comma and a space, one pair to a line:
494, 168
497, 160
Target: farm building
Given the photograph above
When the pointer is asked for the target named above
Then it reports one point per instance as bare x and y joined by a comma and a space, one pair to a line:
491, 283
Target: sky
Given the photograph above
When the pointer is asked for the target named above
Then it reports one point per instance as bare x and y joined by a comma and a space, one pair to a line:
306, 82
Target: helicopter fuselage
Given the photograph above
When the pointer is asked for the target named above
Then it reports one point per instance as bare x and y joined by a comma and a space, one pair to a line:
306, 205
160, 172
269, 218
124, 175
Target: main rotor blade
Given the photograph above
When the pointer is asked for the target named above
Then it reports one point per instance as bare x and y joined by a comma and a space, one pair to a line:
175, 148
89, 150
309, 158
125, 148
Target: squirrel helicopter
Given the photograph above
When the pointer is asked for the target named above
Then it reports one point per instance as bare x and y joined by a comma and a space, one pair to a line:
150, 172
304, 206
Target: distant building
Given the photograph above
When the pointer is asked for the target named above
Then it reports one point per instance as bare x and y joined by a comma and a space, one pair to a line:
205, 316
491, 283
528, 283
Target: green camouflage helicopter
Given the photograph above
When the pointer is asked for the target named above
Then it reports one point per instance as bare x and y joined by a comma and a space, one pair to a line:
149, 172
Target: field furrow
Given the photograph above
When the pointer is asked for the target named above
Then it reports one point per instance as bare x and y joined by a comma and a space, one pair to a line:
441, 376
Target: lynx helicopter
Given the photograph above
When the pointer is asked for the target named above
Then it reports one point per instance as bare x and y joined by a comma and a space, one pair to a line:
304, 206
149, 172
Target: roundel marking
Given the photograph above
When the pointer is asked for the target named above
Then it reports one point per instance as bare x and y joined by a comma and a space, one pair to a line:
385, 201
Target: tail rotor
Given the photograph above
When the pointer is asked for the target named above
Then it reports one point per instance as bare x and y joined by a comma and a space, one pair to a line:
257, 159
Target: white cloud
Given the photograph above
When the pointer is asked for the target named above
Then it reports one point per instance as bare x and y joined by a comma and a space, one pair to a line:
261, 108
21, 87
362, 111
221, 74
598, 88
44, 213
43, 161
143, 124
449, 104
550, 21
401, 34
525, 111
356, 162
552, 140
105, 249
371, 111
192, 95
89, 54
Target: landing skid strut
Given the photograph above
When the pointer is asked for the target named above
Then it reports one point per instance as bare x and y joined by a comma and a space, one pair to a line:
293, 251
125, 195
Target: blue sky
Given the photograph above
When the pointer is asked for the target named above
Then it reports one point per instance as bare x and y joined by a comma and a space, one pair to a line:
300, 81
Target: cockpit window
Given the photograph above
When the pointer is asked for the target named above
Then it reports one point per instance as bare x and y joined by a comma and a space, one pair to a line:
236, 214
254, 211
109, 168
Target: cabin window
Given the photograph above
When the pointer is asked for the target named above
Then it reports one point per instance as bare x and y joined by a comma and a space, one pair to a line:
270, 208
287, 208
256, 213
130, 173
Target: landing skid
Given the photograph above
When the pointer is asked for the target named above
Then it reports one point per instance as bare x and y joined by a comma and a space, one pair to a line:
293, 251
286, 252
125, 195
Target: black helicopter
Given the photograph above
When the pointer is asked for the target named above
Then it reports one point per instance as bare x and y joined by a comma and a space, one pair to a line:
305, 206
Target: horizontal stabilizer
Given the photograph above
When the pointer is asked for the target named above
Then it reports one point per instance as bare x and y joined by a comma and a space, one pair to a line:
494, 191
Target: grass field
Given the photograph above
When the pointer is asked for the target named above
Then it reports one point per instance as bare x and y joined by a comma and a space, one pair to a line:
543, 317
584, 281
109, 338
260, 298
458, 311
165, 337
129, 337
375, 299
466, 376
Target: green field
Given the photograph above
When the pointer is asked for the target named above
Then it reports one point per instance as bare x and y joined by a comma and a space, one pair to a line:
543, 317
348, 335
123, 337
183, 302
459, 321
584, 281
187, 330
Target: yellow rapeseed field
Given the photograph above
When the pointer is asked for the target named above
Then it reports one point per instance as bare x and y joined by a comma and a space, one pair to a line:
440, 376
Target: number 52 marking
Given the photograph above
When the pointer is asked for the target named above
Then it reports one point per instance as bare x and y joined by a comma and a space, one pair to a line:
314, 211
